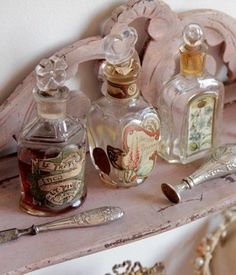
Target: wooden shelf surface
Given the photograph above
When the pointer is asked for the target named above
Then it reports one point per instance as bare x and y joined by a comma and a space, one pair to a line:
148, 212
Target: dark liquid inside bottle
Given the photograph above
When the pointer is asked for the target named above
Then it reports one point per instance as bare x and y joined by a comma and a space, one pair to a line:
52, 181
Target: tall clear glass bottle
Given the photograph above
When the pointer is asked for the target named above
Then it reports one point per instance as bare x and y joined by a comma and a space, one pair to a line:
190, 105
123, 129
51, 149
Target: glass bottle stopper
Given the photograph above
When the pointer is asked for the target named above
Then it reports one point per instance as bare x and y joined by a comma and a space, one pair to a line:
193, 35
120, 47
51, 75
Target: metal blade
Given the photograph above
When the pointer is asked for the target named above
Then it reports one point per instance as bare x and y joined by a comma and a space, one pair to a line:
8, 235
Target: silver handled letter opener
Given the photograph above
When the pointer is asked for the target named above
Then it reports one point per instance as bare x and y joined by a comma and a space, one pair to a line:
93, 217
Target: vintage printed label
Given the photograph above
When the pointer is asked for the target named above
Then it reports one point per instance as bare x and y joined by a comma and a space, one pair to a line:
138, 156
200, 124
56, 182
122, 91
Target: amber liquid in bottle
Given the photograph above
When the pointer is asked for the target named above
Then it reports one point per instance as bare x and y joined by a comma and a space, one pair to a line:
190, 105
52, 148
32, 200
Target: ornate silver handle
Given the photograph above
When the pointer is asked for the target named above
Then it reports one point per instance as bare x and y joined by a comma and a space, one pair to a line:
94, 217
221, 163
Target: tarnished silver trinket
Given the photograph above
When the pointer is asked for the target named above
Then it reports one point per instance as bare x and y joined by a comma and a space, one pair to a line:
221, 163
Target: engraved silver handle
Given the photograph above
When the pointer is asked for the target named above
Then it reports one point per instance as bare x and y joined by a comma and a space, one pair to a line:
94, 217
221, 163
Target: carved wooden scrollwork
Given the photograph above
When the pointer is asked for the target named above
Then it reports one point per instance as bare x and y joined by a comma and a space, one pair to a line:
164, 28
165, 35
20, 106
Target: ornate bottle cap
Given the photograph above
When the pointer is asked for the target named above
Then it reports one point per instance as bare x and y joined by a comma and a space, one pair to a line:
193, 35
121, 70
119, 48
51, 76
193, 51
50, 94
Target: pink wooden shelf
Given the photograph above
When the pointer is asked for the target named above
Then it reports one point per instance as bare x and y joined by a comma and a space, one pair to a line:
147, 212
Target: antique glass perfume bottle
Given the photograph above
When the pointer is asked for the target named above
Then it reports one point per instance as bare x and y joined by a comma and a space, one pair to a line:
190, 105
51, 149
123, 129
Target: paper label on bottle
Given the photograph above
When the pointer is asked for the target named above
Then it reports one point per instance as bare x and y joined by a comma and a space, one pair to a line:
138, 155
200, 124
122, 91
57, 182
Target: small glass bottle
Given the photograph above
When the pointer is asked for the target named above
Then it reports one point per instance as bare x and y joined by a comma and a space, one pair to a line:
51, 149
190, 105
123, 129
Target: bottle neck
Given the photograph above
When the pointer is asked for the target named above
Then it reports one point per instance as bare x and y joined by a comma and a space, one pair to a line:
122, 79
51, 104
122, 90
51, 109
192, 62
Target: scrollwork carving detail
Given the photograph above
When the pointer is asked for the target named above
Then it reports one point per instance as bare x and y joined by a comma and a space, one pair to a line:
164, 28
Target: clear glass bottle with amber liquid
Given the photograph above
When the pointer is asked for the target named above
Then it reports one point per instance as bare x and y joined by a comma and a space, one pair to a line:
51, 149
123, 129
190, 105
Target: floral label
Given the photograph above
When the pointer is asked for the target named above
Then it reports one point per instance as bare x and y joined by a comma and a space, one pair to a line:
200, 124
56, 182
138, 156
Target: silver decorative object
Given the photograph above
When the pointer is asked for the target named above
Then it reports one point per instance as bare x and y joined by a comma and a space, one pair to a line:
129, 268
221, 163
206, 250
94, 217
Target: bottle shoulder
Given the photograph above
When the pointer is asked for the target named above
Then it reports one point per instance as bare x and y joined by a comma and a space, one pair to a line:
120, 107
182, 84
106, 111
51, 131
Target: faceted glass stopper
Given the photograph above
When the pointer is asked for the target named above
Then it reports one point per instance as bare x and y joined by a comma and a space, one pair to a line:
193, 35
51, 73
120, 47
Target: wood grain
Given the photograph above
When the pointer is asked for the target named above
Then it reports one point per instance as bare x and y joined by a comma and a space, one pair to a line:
8, 168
